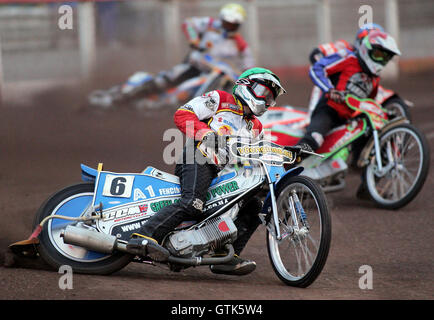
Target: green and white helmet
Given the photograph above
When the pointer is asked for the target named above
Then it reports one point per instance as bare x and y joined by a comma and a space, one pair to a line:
258, 88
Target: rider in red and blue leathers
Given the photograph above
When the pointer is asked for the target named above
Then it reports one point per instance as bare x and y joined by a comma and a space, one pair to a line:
327, 49
336, 73
342, 71
355, 72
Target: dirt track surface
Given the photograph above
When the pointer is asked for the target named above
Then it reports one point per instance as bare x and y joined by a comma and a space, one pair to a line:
42, 146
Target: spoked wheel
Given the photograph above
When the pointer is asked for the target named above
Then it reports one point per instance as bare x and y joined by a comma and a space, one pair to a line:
72, 202
405, 160
397, 108
305, 227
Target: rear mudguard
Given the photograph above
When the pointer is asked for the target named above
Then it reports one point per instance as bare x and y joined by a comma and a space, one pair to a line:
267, 207
88, 173
364, 155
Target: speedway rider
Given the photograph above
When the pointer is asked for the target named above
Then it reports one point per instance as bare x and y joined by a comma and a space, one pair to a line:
218, 37
356, 72
327, 49
203, 119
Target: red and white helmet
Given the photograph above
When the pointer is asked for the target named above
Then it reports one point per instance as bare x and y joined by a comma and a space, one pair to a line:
376, 50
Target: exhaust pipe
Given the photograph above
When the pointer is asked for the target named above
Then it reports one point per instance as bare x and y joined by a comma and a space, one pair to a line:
106, 243
91, 240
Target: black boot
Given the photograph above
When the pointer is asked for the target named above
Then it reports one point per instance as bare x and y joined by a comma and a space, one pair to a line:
246, 223
235, 267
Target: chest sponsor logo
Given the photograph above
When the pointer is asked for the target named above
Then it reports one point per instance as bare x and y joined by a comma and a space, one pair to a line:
230, 106
360, 84
225, 130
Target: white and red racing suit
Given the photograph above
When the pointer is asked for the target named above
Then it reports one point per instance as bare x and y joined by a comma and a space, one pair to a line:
207, 33
220, 112
216, 111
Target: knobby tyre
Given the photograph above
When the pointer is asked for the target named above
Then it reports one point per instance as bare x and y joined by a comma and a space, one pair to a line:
299, 258
405, 152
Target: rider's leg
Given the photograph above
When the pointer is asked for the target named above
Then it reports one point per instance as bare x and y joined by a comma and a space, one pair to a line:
194, 179
177, 75
323, 119
247, 222
165, 80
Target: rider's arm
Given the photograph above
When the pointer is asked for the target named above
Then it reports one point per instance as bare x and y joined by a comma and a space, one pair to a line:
315, 55
190, 117
326, 66
327, 49
194, 27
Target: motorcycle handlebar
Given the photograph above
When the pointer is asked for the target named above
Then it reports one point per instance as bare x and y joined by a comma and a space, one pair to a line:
297, 149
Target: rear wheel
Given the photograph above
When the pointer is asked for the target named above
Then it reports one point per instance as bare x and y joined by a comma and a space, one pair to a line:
305, 228
73, 201
405, 160
397, 108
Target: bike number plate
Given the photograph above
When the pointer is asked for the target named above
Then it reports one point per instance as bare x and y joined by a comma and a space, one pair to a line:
118, 186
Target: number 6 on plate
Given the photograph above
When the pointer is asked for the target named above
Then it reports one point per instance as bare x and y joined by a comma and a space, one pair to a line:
118, 186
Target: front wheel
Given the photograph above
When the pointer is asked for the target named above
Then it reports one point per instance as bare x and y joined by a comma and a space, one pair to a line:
72, 202
305, 227
405, 158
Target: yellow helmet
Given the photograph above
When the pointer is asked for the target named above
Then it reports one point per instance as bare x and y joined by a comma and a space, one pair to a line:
233, 13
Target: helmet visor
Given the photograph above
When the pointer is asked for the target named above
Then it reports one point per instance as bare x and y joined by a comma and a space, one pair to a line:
264, 93
380, 55
229, 26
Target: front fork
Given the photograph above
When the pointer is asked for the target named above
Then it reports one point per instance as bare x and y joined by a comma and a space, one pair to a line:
296, 210
377, 151
381, 171
275, 213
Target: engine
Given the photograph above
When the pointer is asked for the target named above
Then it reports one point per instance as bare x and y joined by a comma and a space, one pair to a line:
214, 234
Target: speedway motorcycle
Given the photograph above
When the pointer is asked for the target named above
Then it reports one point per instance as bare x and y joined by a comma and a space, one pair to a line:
88, 225
216, 75
393, 154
